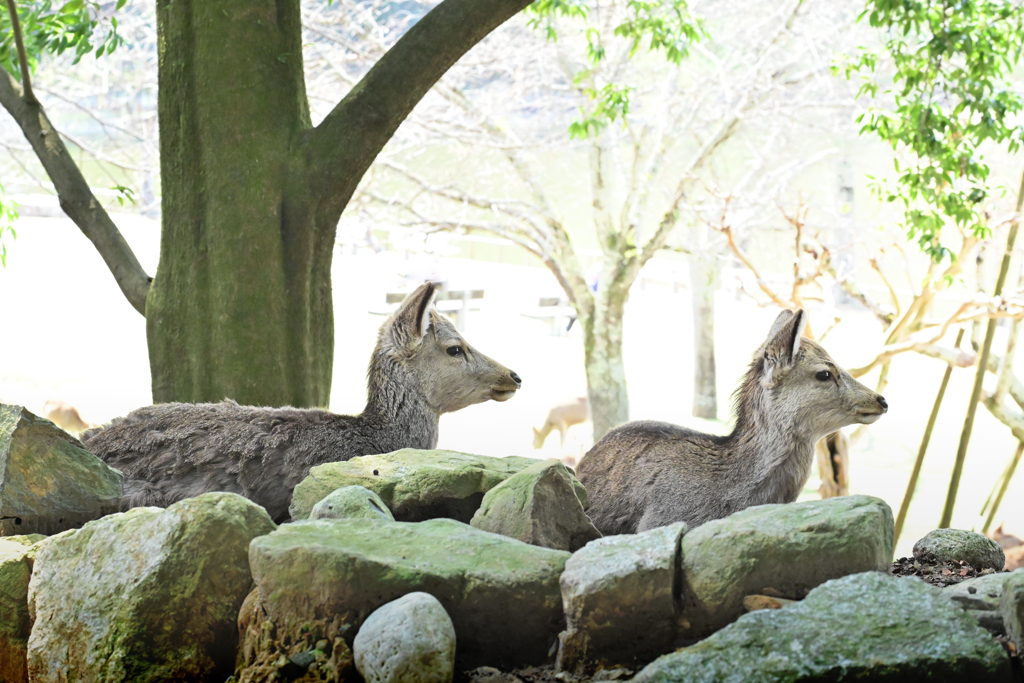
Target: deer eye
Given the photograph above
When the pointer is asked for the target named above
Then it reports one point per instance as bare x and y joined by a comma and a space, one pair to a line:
824, 376
454, 351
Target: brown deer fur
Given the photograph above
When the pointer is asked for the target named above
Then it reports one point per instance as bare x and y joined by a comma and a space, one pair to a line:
561, 416
420, 368
648, 474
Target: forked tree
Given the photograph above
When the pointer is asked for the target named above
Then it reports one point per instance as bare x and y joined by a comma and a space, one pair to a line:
240, 305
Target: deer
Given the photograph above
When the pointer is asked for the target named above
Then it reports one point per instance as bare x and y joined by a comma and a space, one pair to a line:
65, 416
561, 416
420, 368
648, 474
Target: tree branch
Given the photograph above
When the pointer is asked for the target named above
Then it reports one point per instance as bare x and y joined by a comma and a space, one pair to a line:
76, 199
26, 76
339, 150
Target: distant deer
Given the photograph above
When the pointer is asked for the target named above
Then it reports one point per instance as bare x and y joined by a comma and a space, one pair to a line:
65, 416
561, 416
648, 474
420, 368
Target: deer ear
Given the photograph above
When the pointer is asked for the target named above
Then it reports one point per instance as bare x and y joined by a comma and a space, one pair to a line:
783, 343
412, 319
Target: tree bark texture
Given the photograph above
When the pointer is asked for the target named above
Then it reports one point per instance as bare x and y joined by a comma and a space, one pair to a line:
241, 304
704, 273
602, 357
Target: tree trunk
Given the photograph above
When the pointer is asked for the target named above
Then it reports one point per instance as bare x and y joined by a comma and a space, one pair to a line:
237, 309
703, 284
602, 358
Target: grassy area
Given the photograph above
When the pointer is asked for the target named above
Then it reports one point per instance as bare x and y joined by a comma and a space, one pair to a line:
70, 335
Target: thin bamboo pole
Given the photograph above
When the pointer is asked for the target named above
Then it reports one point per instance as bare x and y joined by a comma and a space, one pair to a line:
990, 330
1002, 487
912, 484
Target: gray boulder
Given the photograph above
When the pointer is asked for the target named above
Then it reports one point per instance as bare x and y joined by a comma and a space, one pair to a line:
1011, 607
502, 595
786, 549
415, 485
145, 595
49, 482
617, 593
409, 640
352, 501
870, 627
17, 554
951, 545
541, 505
980, 593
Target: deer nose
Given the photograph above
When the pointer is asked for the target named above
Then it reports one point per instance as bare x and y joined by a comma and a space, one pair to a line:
516, 378
882, 402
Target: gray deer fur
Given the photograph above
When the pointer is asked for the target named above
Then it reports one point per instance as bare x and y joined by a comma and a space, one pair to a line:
648, 474
420, 368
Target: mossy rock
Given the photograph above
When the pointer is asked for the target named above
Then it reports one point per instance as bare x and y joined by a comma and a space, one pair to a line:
145, 595
49, 482
953, 545
788, 549
17, 554
542, 504
415, 484
865, 627
502, 594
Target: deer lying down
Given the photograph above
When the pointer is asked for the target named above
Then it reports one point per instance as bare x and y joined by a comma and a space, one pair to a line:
420, 368
648, 474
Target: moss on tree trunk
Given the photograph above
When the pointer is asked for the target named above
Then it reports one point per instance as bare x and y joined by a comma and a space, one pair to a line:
602, 358
238, 308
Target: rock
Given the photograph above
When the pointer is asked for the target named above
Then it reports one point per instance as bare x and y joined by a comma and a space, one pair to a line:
408, 640
502, 595
352, 501
315, 652
984, 592
619, 603
17, 554
49, 482
539, 505
869, 626
1011, 607
145, 595
791, 548
415, 485
950, 545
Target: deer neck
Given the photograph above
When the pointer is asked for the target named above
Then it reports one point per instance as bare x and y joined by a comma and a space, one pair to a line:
397, 407
772, 455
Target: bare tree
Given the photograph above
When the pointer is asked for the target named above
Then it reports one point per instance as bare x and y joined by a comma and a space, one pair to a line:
627, 186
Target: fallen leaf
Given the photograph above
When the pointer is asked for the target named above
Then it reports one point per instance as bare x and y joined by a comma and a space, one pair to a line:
963, 572
945, 571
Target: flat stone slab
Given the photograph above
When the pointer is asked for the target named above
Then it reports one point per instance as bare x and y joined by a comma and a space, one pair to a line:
144, 596
415, 485
619, 594
865, 627
49, 482
980, 593
780, 550
501, 594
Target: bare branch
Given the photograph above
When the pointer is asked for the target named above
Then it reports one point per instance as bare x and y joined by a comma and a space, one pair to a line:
76, 198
